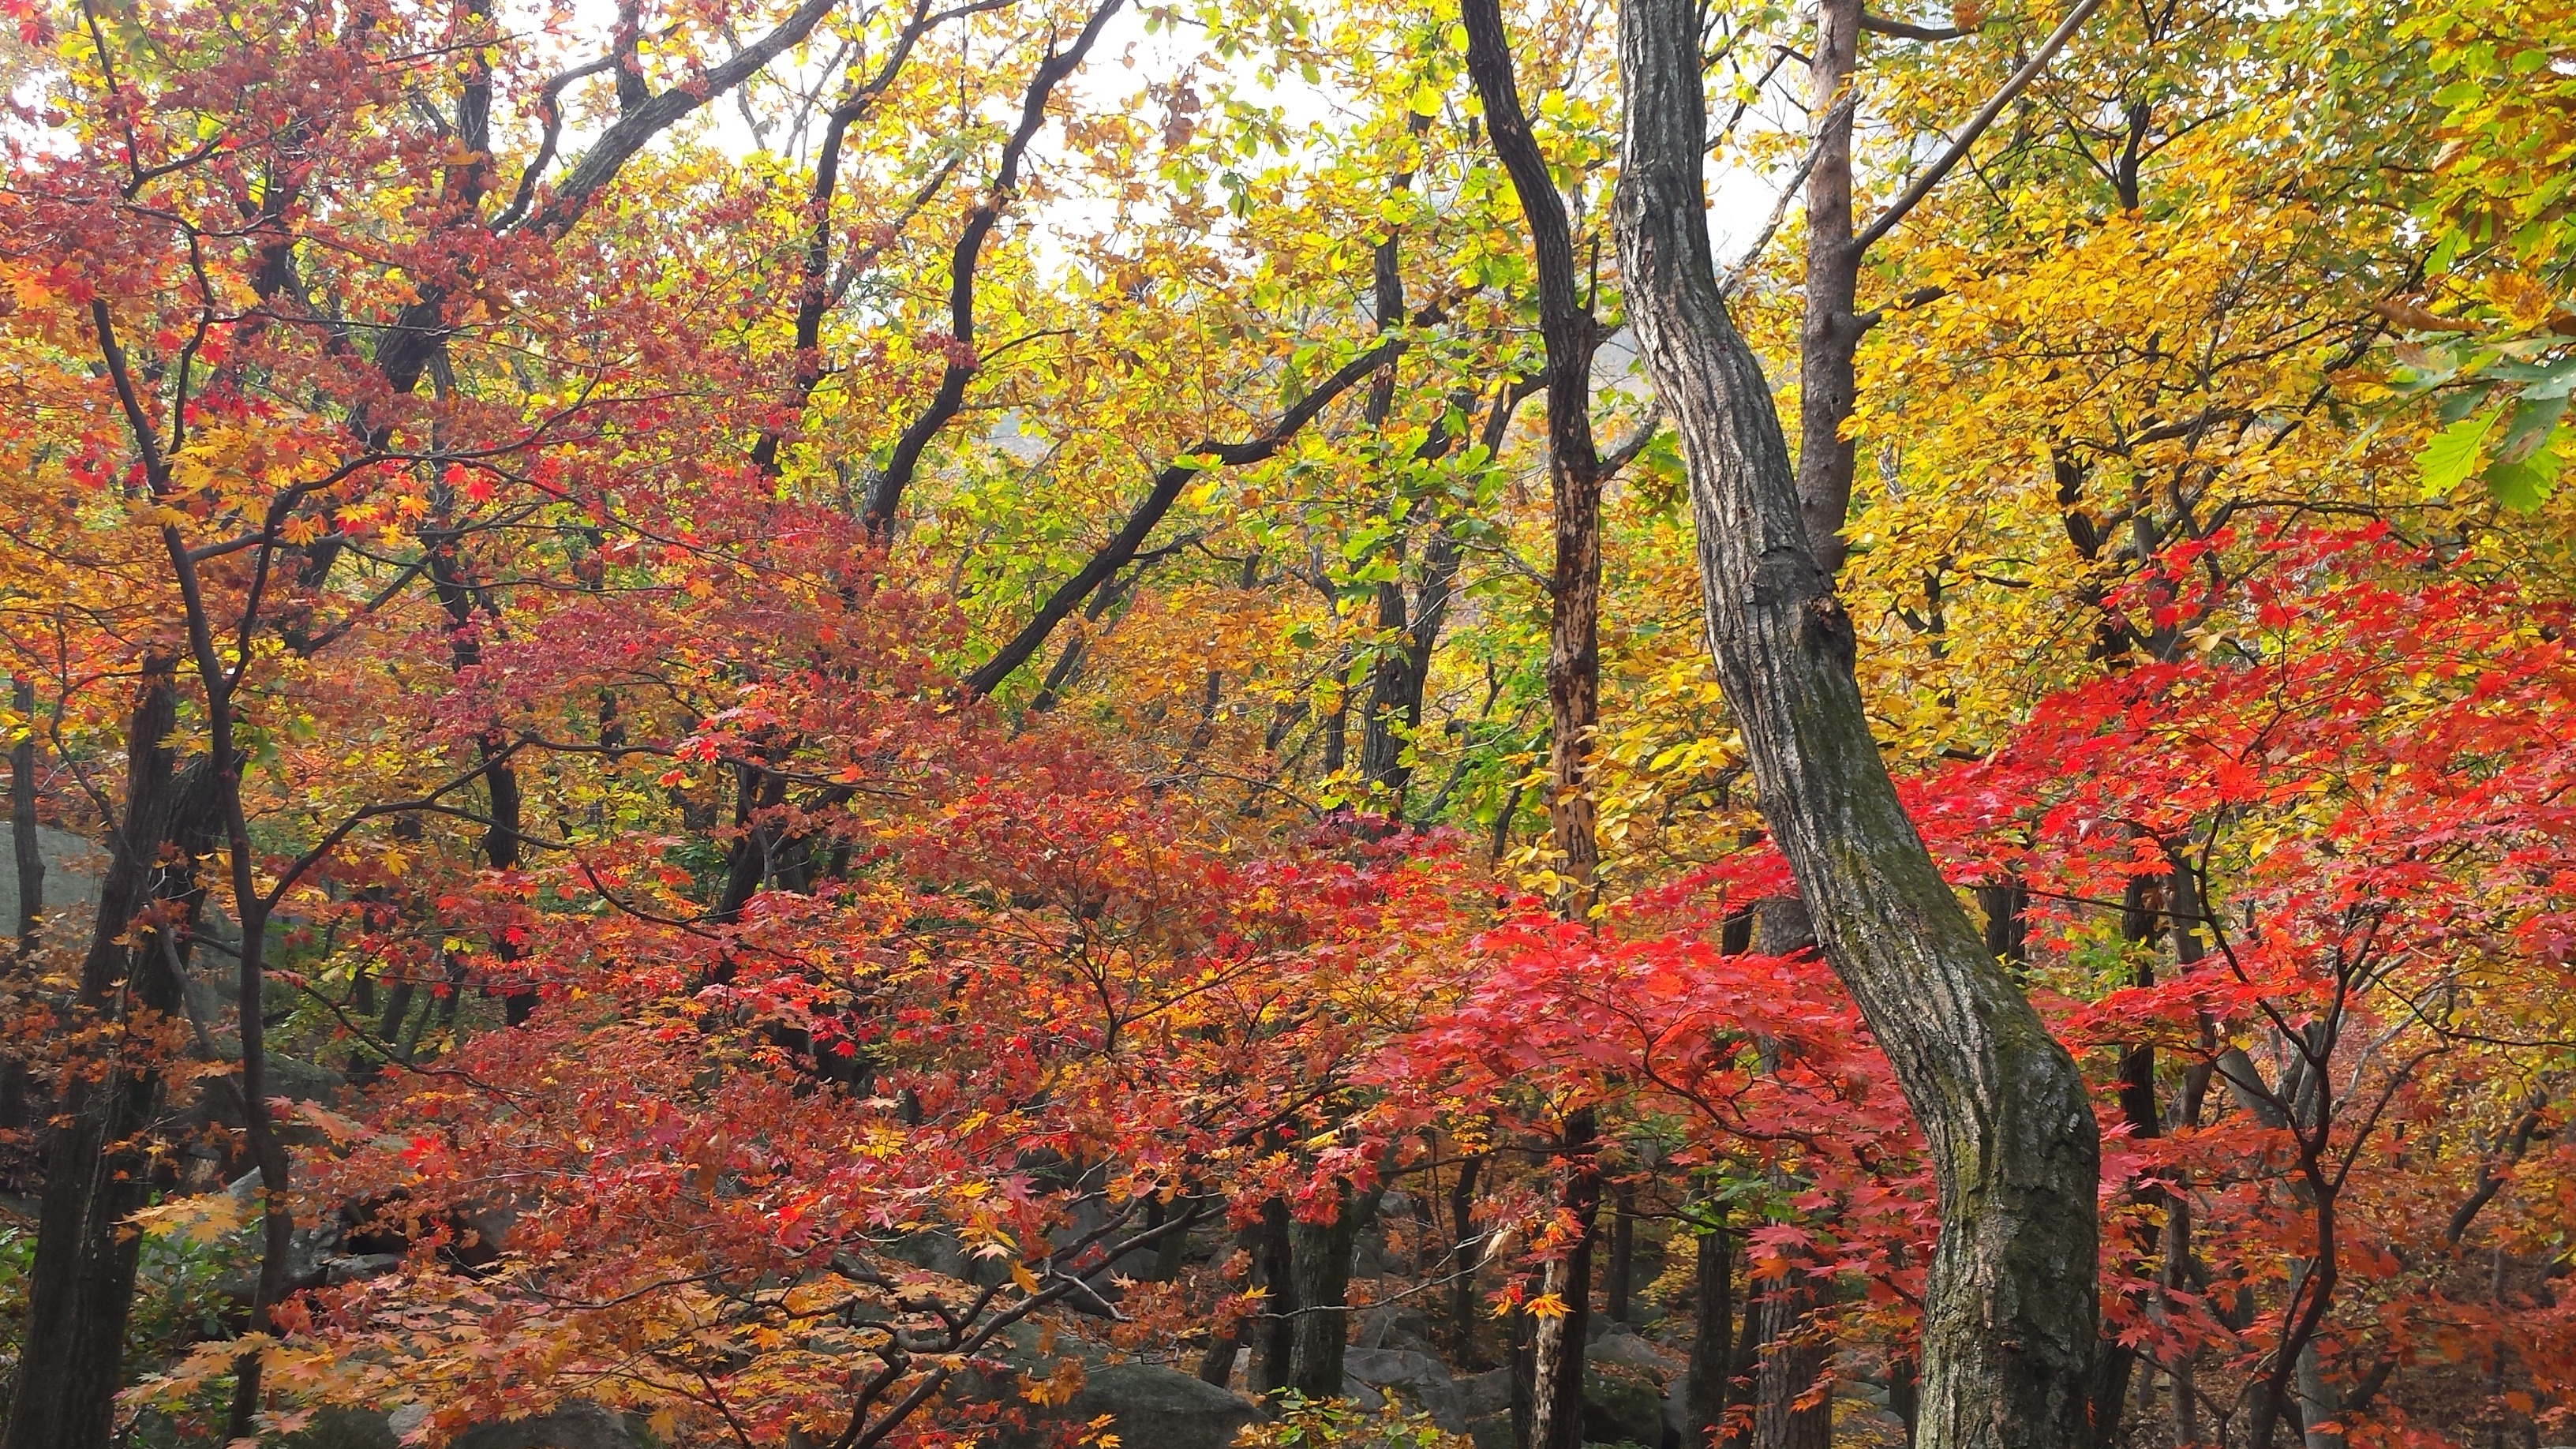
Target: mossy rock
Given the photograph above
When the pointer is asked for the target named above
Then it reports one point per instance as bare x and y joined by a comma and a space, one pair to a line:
1622, 1404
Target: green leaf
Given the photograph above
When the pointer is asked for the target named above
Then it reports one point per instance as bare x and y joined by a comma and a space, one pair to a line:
2452, 456
2524, 485
2460, 404
2532, 420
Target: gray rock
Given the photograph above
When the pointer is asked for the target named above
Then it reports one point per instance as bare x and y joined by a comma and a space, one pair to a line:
1160, 1408
1419, 1380
570, 1426
1486, 1394
1493, 1431
1623, 1347
361, 1266
338, 1428
73, 865
1390, 1326
573, 1426
1622, 1405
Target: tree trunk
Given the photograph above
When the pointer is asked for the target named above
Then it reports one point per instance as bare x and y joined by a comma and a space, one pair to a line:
1792, 1360
1615, 1275
1517, 1355
2142, 925
30, 852
1558, 1340
22, 817
1829, 334
1320, 1258
1471, 1256
98, 1170
1748, 1352
1710, 1385
1274, 1344
1571, 336
2010, 1310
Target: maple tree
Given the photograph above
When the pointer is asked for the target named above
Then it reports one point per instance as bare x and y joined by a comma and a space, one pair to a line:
818, 721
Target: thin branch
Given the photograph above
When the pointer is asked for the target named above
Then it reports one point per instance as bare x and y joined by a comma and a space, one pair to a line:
2020, 80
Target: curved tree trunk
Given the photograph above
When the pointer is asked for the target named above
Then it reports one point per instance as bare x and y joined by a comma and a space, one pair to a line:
2010, 1313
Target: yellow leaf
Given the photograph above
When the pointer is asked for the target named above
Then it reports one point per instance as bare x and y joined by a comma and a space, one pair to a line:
198, 1219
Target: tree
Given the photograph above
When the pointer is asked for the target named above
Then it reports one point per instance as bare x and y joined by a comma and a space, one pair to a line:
2009, 1308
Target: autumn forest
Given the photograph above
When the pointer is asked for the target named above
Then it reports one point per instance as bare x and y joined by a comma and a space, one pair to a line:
1288, 724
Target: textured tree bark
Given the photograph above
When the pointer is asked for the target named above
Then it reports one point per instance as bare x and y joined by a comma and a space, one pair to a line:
1792, 1361
2010, 1311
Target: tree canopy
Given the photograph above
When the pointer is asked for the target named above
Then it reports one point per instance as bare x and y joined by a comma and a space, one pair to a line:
837, 722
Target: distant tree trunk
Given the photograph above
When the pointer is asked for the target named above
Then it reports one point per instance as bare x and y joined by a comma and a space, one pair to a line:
1748, 1354
1471, 1256
1517, 1353
1558, 1340
1792, 1358
97, 1168
30, 849
1274, 1343
1217, 1366
2142, 924
2010, 1308
1792, 1361
1623, 1252
2007, 936
1710, 1386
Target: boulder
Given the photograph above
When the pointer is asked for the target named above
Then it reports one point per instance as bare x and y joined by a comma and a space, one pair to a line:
1420, 1381
1158, 1407
1631, 1351
1622, 1405
1389, 1326
337, 1428
573, 1426
1677, 1411
1486, 1394
569, 1426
